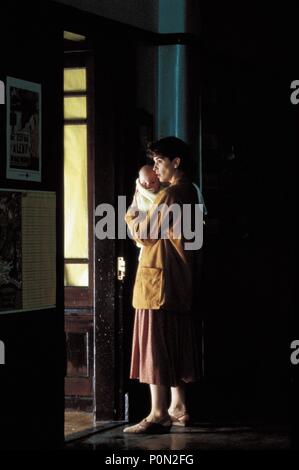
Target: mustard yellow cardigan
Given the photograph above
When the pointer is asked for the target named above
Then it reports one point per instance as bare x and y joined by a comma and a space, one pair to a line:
165, 270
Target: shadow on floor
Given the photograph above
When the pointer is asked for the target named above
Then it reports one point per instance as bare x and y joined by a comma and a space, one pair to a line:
79, 425
200, 437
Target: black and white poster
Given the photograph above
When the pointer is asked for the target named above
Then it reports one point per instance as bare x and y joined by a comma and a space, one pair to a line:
23, 130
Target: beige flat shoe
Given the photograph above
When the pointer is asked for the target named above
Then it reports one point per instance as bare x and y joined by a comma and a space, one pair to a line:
150, 427
182, 420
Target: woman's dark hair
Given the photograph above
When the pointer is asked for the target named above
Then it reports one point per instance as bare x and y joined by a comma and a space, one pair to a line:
172, 147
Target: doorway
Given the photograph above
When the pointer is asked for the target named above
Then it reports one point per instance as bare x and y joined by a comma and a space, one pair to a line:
78, 111
100, 144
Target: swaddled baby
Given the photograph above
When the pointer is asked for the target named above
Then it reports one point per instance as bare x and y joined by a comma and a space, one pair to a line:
147, 188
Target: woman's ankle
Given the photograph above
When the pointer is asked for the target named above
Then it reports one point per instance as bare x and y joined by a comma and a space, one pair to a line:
177, 410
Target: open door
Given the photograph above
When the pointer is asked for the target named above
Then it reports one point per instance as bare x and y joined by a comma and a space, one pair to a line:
78, 225
100, 146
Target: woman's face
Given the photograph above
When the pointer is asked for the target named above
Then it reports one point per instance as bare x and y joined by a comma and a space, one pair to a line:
165, 168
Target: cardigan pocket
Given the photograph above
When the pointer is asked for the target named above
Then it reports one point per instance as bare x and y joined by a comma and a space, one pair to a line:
150, 287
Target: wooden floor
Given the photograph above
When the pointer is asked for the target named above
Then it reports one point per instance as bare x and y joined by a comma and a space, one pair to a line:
76, 421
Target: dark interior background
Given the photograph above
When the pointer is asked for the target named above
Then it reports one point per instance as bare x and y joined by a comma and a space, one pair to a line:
245, 61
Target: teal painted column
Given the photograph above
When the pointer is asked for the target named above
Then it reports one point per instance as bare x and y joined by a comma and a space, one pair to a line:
172, 92
177, 100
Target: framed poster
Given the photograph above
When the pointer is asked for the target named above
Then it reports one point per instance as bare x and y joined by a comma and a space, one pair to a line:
23, 130
27, 250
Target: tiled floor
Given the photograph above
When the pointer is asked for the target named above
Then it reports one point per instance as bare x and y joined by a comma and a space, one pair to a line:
204, 436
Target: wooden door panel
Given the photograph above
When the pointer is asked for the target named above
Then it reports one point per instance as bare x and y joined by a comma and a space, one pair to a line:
79, 349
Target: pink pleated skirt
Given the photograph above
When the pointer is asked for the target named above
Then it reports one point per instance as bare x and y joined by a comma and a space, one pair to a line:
165, 348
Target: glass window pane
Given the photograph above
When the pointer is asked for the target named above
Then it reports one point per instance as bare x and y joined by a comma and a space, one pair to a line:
73, 36
75, 192
75, 107
76, 275
75, 79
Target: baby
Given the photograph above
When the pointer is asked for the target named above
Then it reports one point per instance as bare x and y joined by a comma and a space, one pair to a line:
147, 188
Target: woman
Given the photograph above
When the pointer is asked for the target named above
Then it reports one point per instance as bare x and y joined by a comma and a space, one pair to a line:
165, 352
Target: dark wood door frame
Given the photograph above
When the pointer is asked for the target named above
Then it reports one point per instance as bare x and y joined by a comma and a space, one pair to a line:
115, 148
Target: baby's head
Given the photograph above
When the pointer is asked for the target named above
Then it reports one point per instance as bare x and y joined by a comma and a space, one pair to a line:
148, 178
